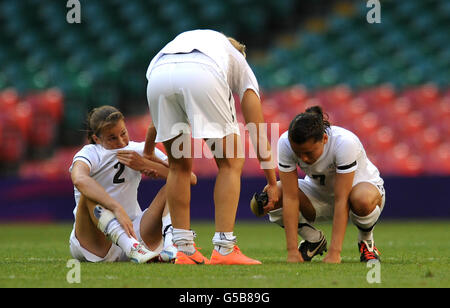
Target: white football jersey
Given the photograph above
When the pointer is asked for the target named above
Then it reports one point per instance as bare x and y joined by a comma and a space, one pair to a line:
229, 62
119, 181
343, 153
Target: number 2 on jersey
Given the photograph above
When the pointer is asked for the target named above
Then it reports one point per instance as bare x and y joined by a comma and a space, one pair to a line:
117, 179
321, 178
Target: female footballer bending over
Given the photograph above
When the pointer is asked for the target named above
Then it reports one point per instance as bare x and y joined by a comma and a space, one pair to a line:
109, 223
340, 182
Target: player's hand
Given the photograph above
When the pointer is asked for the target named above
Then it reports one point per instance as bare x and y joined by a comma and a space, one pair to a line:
125, 221
294, 256
332, 257
272, 193
151, 173
131, 159
152, 156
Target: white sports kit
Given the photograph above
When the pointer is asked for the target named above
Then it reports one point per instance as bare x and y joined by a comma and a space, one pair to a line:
190, 86
343, 153
120, 182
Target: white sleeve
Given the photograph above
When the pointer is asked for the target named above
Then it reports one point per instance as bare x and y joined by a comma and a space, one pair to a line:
139, 148
242, 77
346, 155
88, 156
286, 160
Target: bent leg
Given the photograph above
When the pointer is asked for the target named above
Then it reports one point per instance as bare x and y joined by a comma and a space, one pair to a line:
307, 215
365, 208
151, 223
86, 231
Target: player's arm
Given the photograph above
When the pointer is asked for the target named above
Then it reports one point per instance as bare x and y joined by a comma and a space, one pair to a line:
92, 190
252, 112
149, 147
342, 189
291, 211
146, 166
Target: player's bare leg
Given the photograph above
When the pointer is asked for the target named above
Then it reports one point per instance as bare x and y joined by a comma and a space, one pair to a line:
365, 202
228, 183
230, 160
98, 229
156, 227
178, 186
178, 192
151, 223
86, 231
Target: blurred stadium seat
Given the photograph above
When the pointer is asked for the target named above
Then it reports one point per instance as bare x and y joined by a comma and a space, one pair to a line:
387, 82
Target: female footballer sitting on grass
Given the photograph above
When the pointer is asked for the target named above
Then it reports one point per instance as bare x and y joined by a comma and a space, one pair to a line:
109, 223
340, 182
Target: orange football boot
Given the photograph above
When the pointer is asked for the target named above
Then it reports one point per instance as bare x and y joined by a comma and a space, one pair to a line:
196, 259
234, 258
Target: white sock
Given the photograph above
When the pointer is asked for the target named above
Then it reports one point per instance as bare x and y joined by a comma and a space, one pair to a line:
224, 242
116, 231
366, 224
166, 220
168, 236
110, 226
309, 233
365, 236
126, 243
167, 230
184, 240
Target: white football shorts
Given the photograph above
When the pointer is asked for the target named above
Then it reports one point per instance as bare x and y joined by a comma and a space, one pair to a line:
190, 98
323, 204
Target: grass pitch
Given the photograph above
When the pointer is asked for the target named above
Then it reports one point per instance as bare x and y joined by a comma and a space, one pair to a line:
414, 254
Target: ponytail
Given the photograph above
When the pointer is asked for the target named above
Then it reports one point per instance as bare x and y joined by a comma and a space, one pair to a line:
310, 124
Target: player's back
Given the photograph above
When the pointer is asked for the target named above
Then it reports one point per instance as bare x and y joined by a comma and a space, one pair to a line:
343, 153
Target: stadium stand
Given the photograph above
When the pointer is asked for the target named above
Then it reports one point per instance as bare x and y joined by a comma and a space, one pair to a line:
388, 82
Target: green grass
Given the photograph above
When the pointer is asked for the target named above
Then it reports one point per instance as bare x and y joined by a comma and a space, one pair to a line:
414, 254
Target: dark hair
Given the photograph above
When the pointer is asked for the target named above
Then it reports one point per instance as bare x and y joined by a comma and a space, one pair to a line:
308, 125
101, 117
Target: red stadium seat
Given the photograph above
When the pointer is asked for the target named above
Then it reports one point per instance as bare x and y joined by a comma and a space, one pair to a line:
422, 96
23, 117
383, 139
438, 162
366, 125
411, 124
356, 108
52, 102
43, 132
443, 107
404, 162
295, 98
270, 110
402, 107
8, 100
13, 143
427, 140
383, 95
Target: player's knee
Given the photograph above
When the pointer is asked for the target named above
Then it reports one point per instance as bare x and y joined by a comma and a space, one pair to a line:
181, 165
362, 204
232, 164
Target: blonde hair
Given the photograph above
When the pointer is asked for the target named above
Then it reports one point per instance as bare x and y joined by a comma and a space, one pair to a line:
239, 46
